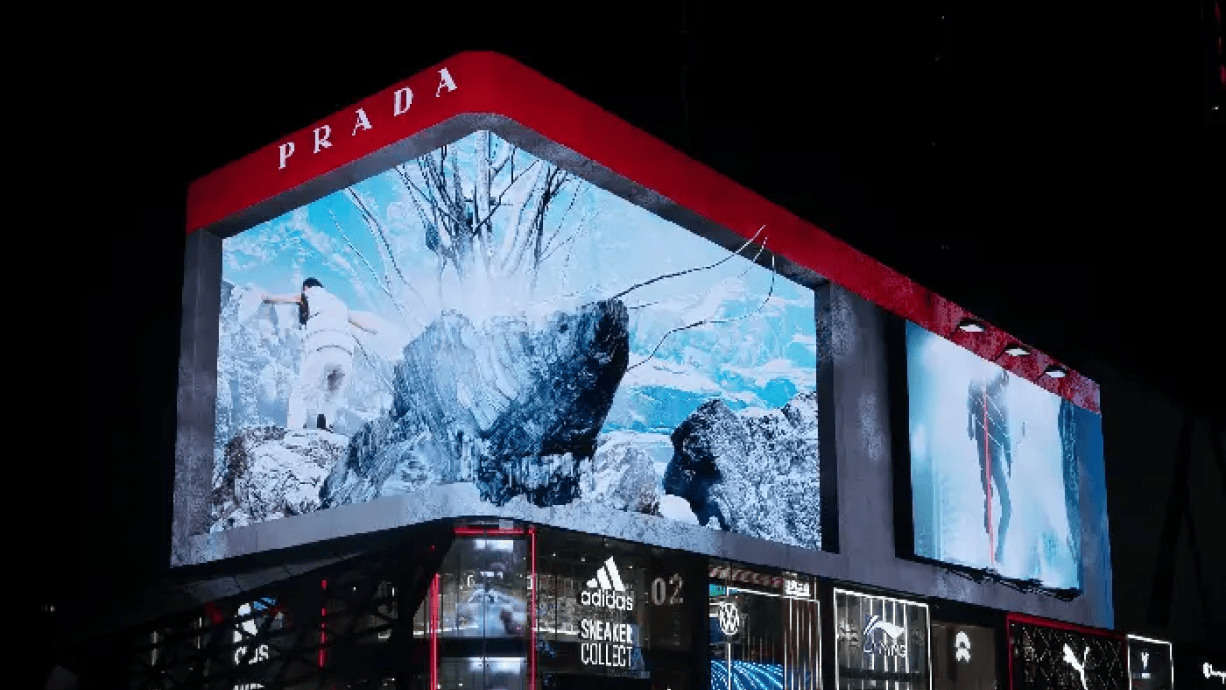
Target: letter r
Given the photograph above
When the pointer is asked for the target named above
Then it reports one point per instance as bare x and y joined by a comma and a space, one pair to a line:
322, 133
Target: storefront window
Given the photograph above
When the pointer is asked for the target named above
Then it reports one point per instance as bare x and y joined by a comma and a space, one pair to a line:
964, 657
880, 642
614, 614
480, 627
764, 629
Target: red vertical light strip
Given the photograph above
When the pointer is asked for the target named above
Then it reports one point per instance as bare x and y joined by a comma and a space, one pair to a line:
987, 480
1009, 649
323, 625
532, 623
434, 622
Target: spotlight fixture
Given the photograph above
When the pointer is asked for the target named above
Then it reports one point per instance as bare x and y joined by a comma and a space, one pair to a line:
1017, 350
1054, 371
971, 326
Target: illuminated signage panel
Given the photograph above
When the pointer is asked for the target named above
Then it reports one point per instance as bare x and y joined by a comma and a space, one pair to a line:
964, 657
1150, 664
880, 642
1045, 654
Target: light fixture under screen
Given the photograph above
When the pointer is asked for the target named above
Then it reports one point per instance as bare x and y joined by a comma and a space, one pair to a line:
1017, 350
1056, 372
971, 326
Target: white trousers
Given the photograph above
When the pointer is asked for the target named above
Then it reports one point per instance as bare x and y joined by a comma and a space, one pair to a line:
321, 383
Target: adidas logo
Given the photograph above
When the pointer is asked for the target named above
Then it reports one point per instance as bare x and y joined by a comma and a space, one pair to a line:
610, 591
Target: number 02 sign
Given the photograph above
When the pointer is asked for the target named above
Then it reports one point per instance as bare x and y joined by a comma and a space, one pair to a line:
667, 592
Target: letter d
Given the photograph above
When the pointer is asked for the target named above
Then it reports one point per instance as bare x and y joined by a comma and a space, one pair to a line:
404, 99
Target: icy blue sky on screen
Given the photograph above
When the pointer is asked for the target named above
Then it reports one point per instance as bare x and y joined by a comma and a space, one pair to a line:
759, 360
945, 458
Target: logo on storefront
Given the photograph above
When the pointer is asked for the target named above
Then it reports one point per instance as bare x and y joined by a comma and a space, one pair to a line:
885, 644
792, 588
607, 589
729, 618
248, 626
1210, 672
962, 647
1078, 665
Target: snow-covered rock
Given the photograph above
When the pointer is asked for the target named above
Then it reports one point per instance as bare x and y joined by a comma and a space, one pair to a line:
753, 472
512, 405
622, 475
269, 473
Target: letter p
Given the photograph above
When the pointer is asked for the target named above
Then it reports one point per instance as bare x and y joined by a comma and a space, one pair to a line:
286, 150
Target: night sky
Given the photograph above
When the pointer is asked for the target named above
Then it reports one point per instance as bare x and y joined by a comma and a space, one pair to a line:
1053, 170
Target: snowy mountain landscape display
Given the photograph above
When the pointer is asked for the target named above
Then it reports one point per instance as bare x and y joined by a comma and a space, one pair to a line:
511, 330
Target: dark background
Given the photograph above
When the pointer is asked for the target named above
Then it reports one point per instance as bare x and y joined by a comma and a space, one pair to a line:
1057, 169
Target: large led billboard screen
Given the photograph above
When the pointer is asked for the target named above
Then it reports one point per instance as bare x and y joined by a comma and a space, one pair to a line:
997, 467
479, 331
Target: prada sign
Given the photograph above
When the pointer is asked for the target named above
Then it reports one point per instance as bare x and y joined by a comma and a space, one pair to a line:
1049, 654
880, 639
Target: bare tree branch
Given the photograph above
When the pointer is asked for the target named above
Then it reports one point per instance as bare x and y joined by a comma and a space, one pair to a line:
374, 273
691, 270
710, 322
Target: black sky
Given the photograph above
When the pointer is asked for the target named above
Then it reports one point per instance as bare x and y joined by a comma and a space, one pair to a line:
1053, 169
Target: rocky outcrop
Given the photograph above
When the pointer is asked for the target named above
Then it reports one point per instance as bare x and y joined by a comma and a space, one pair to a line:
268, 473
512, 406
622, 476
752, 472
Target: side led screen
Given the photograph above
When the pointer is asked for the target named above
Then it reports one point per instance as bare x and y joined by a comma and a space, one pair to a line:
477, 332
880, 642
1150, 666
964, 657
1054, 655
997, 466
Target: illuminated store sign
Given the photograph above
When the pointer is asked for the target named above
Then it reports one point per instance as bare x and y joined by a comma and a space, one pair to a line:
764, 639
1052, 654
1211, 672
792, 588
1150, 664
880, 639
604, 642
607, 589
963, 657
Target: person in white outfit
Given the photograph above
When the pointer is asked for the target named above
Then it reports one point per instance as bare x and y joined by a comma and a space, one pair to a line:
327, 357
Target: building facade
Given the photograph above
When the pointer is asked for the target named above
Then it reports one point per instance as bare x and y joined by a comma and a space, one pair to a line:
480, 387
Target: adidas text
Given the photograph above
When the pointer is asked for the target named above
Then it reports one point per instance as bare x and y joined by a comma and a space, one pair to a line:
607, 599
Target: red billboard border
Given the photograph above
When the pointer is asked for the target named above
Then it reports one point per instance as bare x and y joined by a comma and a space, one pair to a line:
488, 83
1012, 617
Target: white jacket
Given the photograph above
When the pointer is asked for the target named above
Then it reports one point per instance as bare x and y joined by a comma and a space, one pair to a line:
327, 323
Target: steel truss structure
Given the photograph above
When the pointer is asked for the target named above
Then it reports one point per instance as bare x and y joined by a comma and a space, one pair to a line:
345, 625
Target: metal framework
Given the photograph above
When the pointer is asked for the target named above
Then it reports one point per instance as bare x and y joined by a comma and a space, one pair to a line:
346, 625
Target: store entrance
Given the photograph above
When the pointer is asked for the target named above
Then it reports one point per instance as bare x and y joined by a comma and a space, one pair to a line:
763, 639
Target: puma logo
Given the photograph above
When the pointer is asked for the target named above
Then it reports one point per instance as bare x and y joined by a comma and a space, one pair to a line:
1079, 666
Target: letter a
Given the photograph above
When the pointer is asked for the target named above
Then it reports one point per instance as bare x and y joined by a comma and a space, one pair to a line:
404, 99
362, 122
287, 150
445, 82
